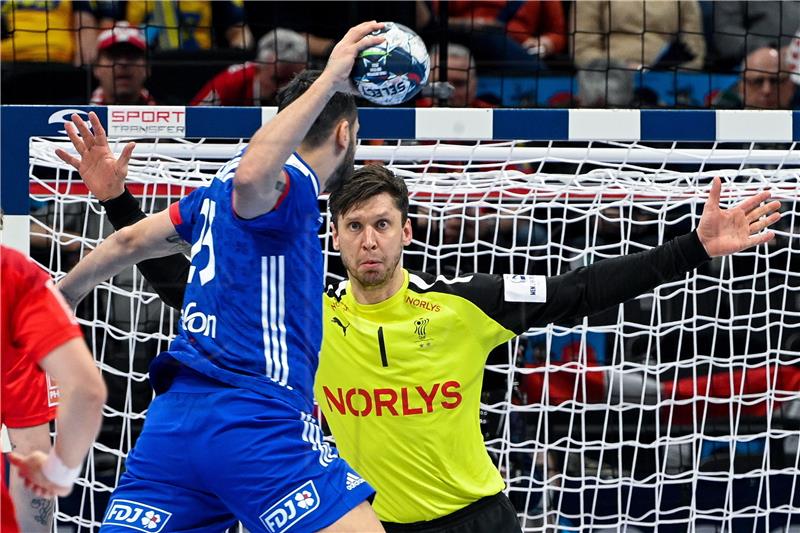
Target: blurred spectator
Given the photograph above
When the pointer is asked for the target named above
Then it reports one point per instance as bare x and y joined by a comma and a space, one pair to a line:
187, 25
605, 84
282, 53
638, 33
121, 68
765, 83
53, 32
323, 23
793, 58
741, 27
461, 74
513, 34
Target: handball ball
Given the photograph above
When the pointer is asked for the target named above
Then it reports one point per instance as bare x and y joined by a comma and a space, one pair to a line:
395, 70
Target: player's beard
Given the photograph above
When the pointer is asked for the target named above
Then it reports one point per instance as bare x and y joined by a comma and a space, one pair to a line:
344, 170
373, 279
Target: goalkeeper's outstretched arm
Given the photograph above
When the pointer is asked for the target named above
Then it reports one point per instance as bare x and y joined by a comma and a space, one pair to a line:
152, 237
609, 282
720, 232
167, 275
104, 174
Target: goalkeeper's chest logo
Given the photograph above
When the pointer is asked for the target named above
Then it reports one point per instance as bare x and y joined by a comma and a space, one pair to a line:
292, 508
420, 327
344, 325
135, 515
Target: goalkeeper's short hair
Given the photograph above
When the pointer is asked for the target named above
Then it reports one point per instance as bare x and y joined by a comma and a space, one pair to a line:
365, 183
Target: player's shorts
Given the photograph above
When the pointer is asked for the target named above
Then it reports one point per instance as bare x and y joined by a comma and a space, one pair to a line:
495, 514
210, 455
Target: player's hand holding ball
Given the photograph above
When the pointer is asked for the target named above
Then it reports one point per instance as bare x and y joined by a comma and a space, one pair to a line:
395, 70
340, 62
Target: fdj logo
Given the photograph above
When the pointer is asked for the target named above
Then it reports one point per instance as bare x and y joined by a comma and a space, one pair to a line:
292, 508
135, 515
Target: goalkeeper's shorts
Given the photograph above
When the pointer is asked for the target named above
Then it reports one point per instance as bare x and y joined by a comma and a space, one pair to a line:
210, 455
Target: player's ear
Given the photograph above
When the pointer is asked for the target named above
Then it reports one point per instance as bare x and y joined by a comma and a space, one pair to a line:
343, 135
407, 232
335, 236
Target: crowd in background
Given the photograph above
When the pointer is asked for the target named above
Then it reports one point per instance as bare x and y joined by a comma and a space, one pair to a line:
522, 53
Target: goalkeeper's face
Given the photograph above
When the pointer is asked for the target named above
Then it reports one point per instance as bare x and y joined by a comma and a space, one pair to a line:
371, 237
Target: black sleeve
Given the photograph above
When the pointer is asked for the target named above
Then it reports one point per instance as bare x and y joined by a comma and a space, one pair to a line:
167, 275
589, 290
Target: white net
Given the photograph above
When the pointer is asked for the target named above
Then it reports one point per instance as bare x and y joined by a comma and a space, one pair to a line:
677, 411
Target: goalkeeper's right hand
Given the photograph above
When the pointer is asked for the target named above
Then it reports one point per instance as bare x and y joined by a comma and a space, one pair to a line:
102, 173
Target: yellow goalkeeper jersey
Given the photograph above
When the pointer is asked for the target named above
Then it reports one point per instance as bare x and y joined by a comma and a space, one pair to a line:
399, 382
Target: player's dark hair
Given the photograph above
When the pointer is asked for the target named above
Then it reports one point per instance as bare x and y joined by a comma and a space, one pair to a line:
366, 182
341, 106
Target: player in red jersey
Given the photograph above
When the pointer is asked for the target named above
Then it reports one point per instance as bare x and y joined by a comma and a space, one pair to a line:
28, 424
39, 334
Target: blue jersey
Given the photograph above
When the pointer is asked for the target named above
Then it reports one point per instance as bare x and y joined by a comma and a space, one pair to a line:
252, 311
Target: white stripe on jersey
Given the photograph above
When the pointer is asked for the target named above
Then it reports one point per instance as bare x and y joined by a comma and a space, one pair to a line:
342, 286
295, 162
229, 169
265, 316
273, 327
419, 282
273, 323
312, 434
284, 378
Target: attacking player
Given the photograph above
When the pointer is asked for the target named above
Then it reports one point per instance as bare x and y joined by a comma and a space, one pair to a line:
230, 435
39, 334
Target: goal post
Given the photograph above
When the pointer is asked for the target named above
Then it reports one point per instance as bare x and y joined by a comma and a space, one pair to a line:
677, 410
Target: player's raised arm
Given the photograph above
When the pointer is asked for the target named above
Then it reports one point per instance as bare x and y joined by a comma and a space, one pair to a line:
609, 282
258, 182
154, 236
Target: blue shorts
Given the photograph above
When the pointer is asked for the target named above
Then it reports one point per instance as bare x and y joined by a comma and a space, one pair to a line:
210, 455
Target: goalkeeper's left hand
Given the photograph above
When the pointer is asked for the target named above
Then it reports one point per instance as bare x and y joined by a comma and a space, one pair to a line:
724, 232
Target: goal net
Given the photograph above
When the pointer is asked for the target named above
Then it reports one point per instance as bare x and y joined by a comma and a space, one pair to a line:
676, 411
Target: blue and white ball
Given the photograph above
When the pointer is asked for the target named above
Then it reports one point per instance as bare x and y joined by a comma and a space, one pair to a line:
395, 70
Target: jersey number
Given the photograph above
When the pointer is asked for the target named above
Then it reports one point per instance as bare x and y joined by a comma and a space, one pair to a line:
206, 240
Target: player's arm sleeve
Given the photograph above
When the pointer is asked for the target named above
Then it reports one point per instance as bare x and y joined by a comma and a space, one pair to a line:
42, 321
589, 290
295, 205
167, 275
